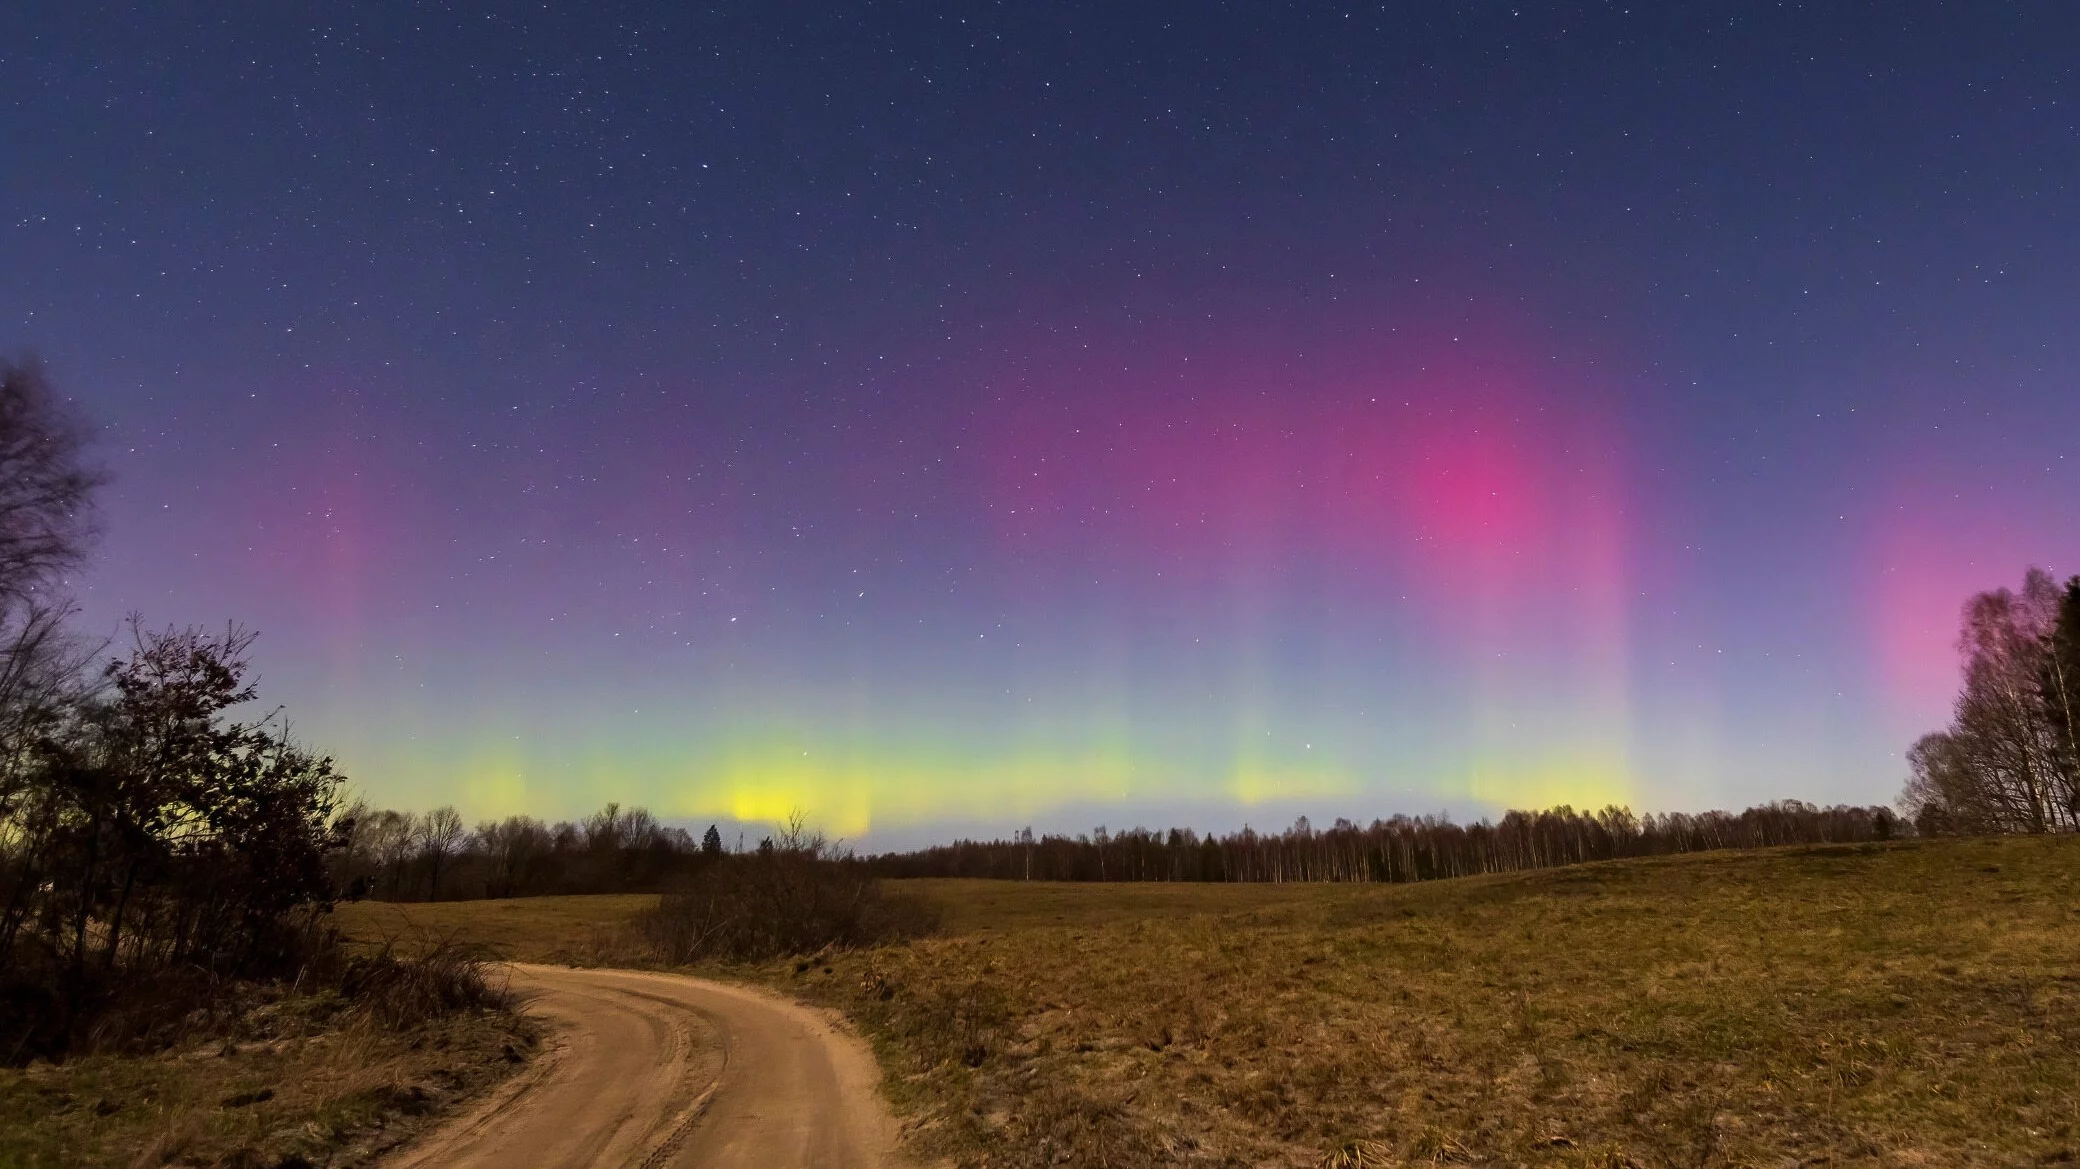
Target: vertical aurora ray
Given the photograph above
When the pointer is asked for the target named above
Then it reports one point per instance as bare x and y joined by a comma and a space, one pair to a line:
1285, 513
1084, 415
1380, 581
1395, 579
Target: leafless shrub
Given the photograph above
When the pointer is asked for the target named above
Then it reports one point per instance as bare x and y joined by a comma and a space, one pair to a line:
401, 991
795, 895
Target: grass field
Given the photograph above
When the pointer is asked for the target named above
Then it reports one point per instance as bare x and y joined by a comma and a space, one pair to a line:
1905, 1004
591, 930
293, 1087
578, 931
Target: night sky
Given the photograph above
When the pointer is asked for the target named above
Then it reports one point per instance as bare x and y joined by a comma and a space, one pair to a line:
945, 418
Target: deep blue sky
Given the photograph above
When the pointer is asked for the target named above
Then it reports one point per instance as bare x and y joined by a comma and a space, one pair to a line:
958, 417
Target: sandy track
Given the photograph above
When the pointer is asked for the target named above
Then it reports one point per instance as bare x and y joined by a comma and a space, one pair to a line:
660, 1070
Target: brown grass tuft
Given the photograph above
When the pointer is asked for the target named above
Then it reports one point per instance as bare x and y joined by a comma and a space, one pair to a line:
1359, 1155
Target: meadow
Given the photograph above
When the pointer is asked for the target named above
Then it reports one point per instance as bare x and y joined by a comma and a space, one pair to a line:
1898, 1004
289, 1084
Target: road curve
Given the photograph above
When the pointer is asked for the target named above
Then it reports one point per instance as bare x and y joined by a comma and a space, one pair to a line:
662, 1071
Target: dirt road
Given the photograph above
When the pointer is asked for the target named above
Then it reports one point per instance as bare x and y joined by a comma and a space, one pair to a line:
656, 1070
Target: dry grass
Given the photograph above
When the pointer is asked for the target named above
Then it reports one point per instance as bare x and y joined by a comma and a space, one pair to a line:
285, 1080
574, 931
1861, 1005
595, 929
996, 907
1879, 1006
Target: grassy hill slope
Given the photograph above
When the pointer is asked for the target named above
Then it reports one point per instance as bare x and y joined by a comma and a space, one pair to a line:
1898, 1005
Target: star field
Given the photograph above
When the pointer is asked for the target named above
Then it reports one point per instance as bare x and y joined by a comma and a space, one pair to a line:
972, 416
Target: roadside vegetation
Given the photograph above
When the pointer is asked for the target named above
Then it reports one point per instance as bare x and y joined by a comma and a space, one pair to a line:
334, 1069
171, 989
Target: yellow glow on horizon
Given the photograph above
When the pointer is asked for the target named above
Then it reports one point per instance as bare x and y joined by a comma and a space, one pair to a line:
847, 792
1256, 781
1587, 781
850, 785
494, 787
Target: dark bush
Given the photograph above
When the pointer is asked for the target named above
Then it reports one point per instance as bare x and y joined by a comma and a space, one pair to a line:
398, 987
794, 897
48, 1011
402, 991
151, 844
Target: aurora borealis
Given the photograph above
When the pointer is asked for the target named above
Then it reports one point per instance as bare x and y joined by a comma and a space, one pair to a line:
952, 418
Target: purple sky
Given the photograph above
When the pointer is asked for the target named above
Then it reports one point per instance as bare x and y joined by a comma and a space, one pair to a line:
948, 420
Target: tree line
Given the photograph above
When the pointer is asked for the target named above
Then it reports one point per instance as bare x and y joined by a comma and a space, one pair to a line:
2010, 759
401, 856
398, 856
1403, 848
2010, 762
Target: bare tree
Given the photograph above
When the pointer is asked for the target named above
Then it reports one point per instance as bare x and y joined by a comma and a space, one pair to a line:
2062, 693
615, 850
47, 518
440, 834
511, 849
392, 839
46, 527
2002, 764
605, 828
